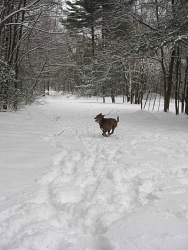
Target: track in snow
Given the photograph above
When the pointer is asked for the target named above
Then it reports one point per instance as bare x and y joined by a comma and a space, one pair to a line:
95, 182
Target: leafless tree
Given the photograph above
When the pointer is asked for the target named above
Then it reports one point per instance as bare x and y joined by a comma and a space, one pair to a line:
19, 20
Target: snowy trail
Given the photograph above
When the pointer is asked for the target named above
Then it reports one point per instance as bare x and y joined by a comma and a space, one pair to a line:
127, 191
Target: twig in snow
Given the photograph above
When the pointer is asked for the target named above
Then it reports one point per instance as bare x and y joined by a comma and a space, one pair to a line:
46, 116
29, 115
56, 118
61, 132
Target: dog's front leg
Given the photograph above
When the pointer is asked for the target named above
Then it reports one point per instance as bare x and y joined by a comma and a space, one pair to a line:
112, 131
104, 132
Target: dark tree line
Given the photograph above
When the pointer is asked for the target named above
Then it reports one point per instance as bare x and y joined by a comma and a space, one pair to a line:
133, 48
23, 39
136, 48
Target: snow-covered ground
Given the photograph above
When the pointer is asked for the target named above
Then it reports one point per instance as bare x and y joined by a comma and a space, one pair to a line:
65, 187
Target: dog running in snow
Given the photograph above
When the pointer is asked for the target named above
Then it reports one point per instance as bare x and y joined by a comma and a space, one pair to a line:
106, 124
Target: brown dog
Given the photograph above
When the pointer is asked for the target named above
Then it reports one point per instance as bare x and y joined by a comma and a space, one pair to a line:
106, 124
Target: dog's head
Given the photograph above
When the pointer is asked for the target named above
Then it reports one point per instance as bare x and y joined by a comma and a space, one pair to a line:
99, 117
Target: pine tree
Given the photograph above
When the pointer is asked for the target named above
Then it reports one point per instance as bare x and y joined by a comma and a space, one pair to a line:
82, 15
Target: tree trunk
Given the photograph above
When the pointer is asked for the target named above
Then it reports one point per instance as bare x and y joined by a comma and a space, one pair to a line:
169, 79
164, 79
177, 82
113, 98
186, 87
93, 39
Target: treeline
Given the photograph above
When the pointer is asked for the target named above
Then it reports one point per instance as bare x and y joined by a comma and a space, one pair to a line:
29, 42
130, 48
94, 47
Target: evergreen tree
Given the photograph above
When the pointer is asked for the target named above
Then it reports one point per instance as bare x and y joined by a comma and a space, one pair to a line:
82, 15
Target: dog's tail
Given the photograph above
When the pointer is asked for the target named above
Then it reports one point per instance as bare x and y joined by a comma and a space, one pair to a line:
118, 119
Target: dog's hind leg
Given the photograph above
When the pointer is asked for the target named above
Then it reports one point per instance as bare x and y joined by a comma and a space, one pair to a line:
112, 130
104, 134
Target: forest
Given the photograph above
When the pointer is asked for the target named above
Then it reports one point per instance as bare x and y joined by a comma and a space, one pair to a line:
137, 49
